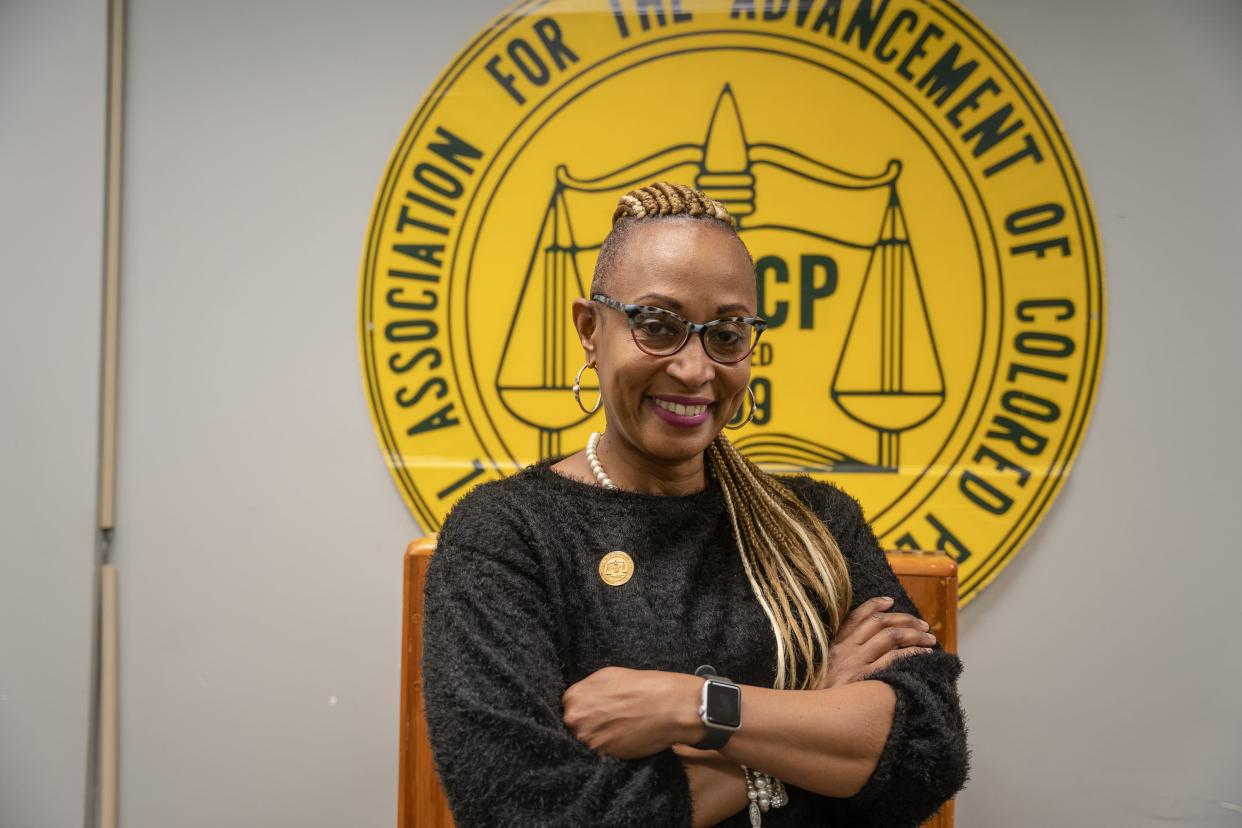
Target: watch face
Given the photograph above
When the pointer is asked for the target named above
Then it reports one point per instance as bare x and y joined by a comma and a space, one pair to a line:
724, 704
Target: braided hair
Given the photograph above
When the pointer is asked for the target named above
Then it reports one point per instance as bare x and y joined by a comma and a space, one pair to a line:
791, 559
661, 200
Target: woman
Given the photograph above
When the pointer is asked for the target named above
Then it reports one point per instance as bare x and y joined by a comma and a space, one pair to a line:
568, 607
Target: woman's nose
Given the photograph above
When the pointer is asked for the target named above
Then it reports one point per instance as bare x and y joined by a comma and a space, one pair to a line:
691, 366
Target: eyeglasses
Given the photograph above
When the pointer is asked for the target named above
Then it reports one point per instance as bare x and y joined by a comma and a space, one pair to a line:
661, 332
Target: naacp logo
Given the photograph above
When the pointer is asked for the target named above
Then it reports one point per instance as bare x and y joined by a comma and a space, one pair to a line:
924, 247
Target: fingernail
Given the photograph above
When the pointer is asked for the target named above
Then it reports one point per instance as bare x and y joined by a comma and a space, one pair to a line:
886, 600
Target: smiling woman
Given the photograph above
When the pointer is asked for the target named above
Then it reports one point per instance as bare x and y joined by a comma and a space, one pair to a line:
665, 271
576, 612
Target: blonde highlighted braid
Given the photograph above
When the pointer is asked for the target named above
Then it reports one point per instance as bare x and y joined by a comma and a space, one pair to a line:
665, 199
791, 559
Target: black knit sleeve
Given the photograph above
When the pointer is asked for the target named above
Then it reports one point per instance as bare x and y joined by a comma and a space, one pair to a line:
492, 685
925, 760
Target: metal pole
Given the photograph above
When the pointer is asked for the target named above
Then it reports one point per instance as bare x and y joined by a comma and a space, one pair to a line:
112, 266
102, 786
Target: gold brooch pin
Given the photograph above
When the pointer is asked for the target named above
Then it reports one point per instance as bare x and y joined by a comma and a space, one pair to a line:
615, 568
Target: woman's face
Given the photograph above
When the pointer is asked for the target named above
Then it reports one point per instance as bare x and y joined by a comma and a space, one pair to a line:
700, 272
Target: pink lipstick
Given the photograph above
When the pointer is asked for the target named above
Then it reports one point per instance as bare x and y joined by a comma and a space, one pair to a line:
681, 411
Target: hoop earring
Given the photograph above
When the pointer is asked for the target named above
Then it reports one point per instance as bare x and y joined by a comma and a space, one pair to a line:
753, 405
578, 388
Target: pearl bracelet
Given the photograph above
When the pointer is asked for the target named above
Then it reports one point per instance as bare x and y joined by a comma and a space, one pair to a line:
764, 792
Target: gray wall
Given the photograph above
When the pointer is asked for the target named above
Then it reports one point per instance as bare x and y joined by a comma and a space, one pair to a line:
259, 534
1104, 675
52, 63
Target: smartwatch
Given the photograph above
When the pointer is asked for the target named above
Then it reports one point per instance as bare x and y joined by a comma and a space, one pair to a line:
720, 708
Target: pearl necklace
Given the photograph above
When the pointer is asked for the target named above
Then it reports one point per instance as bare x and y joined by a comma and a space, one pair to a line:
593, 461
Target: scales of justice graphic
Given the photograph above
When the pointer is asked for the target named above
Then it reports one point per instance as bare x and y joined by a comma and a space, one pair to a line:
887, 376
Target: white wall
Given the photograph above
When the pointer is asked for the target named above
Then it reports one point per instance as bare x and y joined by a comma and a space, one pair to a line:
52, 90
1104, 675
259, 533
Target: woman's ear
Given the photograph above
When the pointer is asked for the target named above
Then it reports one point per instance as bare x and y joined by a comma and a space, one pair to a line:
586, 325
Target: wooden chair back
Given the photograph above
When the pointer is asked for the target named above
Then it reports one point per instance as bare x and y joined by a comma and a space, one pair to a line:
929, 578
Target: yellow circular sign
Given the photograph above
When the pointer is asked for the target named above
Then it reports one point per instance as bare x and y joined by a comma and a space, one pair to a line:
616, 568
924, 244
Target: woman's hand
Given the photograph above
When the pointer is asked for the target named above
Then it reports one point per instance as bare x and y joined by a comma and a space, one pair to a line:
871, 639
631, 714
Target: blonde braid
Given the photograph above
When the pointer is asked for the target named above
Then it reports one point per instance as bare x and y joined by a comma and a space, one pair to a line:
791, 559
667, 199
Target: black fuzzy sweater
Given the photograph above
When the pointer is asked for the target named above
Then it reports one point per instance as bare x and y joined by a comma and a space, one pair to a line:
515, 612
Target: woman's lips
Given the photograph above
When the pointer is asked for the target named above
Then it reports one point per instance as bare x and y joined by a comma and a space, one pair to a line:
681, 411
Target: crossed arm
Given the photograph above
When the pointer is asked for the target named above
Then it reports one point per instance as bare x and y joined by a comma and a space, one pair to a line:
824, 741
828, 740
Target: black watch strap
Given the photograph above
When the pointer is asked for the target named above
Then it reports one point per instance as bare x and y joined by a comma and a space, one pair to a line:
714, 740
716, 737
